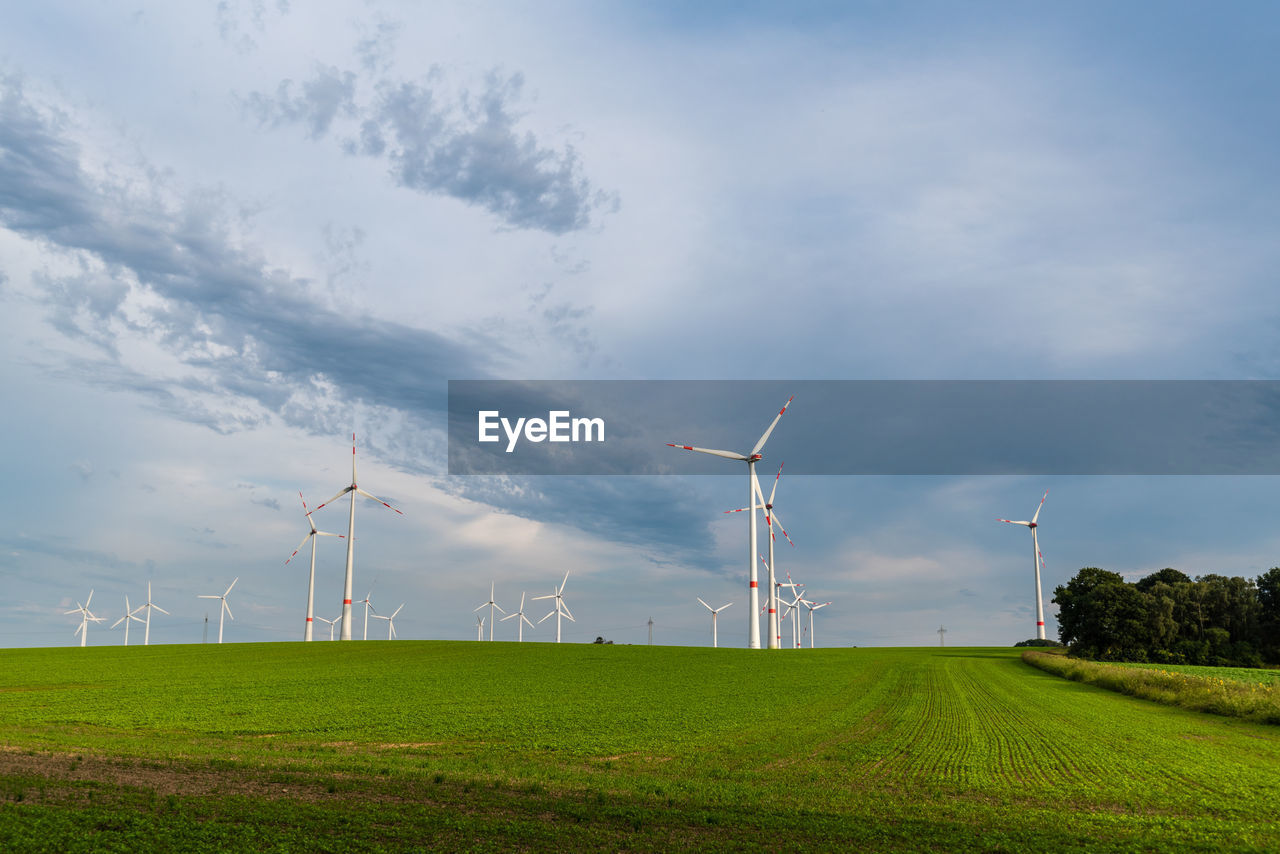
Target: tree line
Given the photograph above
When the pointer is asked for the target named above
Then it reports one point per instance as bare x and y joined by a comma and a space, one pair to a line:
1170, 619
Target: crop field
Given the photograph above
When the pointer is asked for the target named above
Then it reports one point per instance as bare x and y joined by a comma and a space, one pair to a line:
477, 746
1252, 675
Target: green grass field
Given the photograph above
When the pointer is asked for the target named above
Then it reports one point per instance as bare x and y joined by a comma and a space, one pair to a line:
476, 746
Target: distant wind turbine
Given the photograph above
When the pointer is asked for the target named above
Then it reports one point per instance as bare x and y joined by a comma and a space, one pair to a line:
130, 616
812, 607
941, 632
490, 605
561, 608
391, 626
150, 606
479, 627
311, 579
753, 488
714, 613
351, 540
519, 617
225, 609
368, 607
1036, 559
331, 624
86, 616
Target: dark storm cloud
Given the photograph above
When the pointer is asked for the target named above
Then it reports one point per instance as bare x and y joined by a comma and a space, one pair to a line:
254, 330
467, 147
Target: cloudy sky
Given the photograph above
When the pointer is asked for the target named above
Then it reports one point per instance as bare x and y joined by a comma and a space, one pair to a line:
233, 233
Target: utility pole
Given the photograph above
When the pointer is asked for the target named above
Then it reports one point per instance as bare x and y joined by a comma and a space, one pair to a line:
205, 639
941, 640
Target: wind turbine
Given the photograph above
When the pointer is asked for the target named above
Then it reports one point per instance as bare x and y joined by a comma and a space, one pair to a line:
391, 626
941, 639
714, 613
85, 617
331, 624
753, 488
480, 628
775, 637
491, 605
311, 579
368, 606
794, 605
351, 540
1036, 558
150, 606
225, 609
561, 608
812, 607
129, 617
518, 616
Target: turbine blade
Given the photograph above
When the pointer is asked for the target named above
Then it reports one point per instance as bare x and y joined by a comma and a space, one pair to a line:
566, 610
552, 614
728, 455
773, 491
1015, 522
526, 619
566, 581
1038, 509
88, 601
233, 584
722, 607
228, 607
396, 611
509, 617
299, 548
534, 599
780, 527
569, 617
158, 608
776, 418
377, 499
705, 605
344, 491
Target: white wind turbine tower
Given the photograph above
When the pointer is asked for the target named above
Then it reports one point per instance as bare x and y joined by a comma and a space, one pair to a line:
561, 608
775, 636
150, 606
812, 607
311, 579
85, 617
518, 616
130, 616
793, 609
225, 609
480, 628
391, 626
753, 488
331, 624
368, 606
714, 613
491, 605
351, 540
1036, 558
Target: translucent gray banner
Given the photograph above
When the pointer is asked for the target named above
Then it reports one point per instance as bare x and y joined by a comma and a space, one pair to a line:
933, 427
